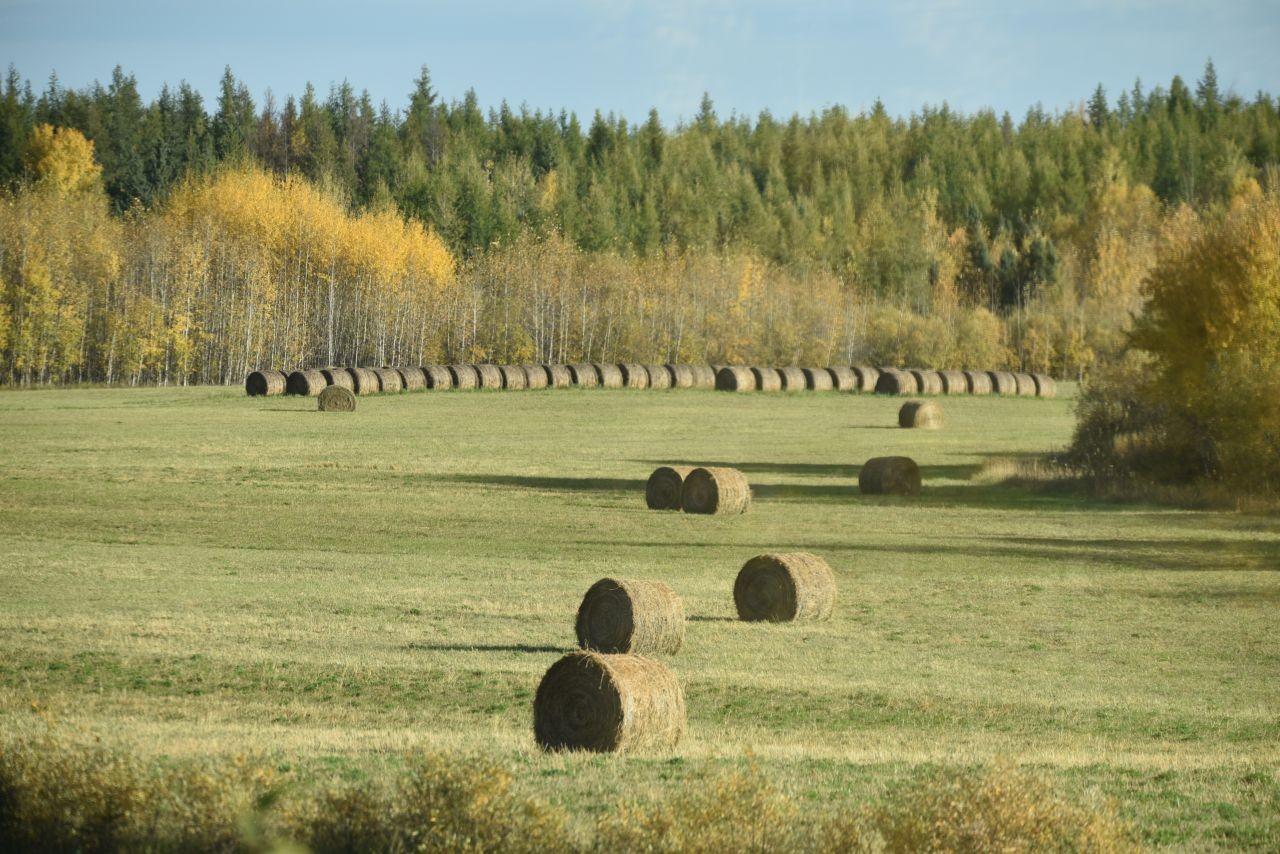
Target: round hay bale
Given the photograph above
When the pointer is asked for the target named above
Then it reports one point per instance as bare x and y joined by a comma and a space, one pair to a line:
681, 376
513, 377
979, 382
735, 378
659, 376
792, 379
645, 617
767, 379
608, 703
715, 490
922, 414
339, 377
389, 379
558, 376
335, 398
843, 378
664, 488
817, 379
489, 376
894, 381
954, 382
437, 377
1045, 386
610, 375
412, 379
704, 376
633, 376
464, 376
259, 383
1002, 382
535, 376
889, 476
1026, 384
306, 383
782, 588
868, 378
927, 382
365, 380
584, 375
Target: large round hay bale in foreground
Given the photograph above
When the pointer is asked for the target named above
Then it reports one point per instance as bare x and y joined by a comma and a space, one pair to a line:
513, 377
792, 379
715, 490
954, 382
1026, 384
843, 378
817, 379
335, 398
979, 382
306, 383
735, 378
365, 380
535, 376
922, 414
259, 383
704, 376
645, 617
767, 379
889, 476
389, 379
558, 376
610, 375
659, 376
464, 376
782, 588
927, 382
608, 703
584, 375
489, 376
412, 379
894, 381
681, 376
1045, 386
438, 377
868, 377
633, 376
339, 377
1002, 382
665, 486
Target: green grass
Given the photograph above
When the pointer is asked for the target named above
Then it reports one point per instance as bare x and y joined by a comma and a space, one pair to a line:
196, 573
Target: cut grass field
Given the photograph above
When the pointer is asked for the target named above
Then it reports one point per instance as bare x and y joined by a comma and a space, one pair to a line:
194, 573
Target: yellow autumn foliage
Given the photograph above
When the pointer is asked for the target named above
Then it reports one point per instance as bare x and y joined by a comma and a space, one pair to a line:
63, 159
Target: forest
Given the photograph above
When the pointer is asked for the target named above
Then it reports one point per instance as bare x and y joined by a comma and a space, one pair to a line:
177, 242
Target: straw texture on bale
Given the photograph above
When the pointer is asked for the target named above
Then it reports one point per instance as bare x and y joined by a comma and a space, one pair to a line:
464, 376
633, 376
735, 378
954, 382
889, 476
817, 379
366, 381
1026, 385
868, 377
645, 617
412, 378
922, 414
792, 379
489, 376
843, 378
259, 383
389, 379
1045, 386
584, 375
558, 376
535, 376
979, 382
437, 377
665, 486
335, 398
927, 382
704, 376
767, 379
681, 376
782, 588
610, 375
894, 381
512, 377
1002, 382
715, 490
339, 377
608, 703
306, 383
659, 376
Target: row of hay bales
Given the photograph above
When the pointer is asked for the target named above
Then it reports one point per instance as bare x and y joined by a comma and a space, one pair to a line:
884, 380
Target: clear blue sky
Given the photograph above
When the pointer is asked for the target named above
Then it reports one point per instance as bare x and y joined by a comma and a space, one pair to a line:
626, 57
